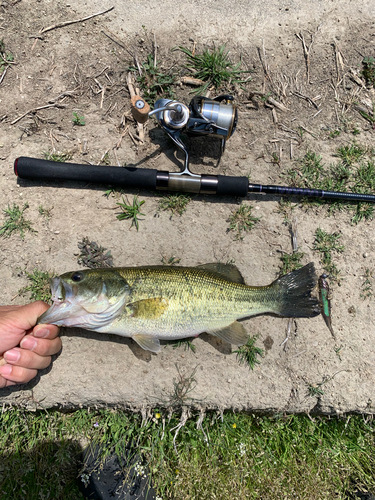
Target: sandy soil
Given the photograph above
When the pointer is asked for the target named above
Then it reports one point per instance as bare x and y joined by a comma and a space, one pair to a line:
96, 369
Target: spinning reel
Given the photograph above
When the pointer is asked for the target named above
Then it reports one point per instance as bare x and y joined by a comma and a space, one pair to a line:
215, 117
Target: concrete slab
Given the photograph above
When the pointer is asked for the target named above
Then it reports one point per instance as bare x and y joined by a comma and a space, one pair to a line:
96, 370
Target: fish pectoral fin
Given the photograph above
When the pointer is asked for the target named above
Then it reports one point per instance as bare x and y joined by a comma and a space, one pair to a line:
234, 334
227, 271
148, 308
147, 342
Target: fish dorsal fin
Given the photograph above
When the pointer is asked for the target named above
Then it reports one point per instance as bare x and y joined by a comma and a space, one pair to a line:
228, 271
234, 334
147, 342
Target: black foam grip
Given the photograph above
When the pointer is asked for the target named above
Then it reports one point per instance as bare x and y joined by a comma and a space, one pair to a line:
232, 186
130, 177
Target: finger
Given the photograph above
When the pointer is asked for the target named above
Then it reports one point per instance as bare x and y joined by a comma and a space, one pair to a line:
45, 331
43, 347
5, 383
27, 315
25, 359
17, 374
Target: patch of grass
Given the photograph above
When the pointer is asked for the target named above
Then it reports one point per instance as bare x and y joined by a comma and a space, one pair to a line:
368, 71
213, 67
57, 156
5, 57
78, 120
285, 209
93, 255
131, 211
154, 82
39, 287
256, 457
242, 220
315, 390
326, 243
290, 262
354, 173
172, 261
45, 212
248, 354
176, 203
351, 153
15, 221
187, 344
367, 291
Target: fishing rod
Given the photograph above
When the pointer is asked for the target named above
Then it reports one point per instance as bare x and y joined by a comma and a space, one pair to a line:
215, 117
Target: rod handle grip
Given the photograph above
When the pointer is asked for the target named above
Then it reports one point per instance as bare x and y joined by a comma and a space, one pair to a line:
130, 177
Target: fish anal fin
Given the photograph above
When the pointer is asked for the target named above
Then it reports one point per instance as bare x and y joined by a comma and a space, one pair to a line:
228, 271
147, 342
235, 334
148, 308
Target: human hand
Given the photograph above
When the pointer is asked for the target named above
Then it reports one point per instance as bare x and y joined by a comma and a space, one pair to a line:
25, 347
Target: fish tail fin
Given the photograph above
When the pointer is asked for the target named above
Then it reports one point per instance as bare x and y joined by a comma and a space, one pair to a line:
294, 290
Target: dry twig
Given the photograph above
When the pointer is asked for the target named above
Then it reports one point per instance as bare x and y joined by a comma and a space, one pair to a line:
54, 105
66, 23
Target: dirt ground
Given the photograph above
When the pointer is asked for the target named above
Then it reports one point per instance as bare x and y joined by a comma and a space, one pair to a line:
68, 67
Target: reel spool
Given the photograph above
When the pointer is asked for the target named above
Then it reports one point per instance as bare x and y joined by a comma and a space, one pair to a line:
216, 117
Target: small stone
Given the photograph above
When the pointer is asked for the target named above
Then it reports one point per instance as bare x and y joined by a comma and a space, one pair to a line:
365, 255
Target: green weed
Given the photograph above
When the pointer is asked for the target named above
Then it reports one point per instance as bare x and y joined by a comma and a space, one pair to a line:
326, 243
187, 344
78, 120
5, 57
290, 262
368, 71
351, 153
354, 173
155, 83
367, 291
172, 261
248, 354
213, 67
315, 390
45, 212
338, 351
131, 211
105, 159
176, 203
39, 287
57, 156
241, 220
15, 221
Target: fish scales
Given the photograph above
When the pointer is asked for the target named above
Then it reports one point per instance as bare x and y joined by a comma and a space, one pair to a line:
196, 298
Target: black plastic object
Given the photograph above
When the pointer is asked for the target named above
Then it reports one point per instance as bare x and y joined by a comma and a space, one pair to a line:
233, 186
143, 178
128, 177
34, 168
121, 478
313, 193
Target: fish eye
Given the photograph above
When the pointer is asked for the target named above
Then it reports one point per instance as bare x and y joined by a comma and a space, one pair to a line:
77, 277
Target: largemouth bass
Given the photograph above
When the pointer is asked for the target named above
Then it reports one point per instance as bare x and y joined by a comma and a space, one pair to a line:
160, 302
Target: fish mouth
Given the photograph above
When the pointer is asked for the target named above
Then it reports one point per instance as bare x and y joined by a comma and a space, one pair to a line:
70, 310
64, 306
